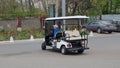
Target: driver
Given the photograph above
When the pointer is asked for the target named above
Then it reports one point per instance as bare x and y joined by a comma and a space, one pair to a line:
56, 30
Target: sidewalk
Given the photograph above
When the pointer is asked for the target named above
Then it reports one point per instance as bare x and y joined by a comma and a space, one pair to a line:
26, 40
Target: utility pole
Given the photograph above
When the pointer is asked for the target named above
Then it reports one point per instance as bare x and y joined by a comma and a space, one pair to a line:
56, 8
64, 12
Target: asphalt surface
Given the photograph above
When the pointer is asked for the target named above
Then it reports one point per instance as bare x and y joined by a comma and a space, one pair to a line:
104, 52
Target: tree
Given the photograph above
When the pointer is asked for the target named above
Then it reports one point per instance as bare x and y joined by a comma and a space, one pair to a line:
82, 7
111, 7
17, 8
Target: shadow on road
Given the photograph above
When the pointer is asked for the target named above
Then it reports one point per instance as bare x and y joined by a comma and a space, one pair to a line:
69, 53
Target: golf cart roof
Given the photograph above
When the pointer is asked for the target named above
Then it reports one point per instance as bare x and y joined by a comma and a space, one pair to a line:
66, 17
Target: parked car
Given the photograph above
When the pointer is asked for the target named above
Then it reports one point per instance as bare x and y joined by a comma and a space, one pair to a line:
117, 24
100, 26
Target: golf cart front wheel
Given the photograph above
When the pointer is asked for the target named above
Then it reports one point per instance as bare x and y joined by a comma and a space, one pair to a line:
43, 46
63, 50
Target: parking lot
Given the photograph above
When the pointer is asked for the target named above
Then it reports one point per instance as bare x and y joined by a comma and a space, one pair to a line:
104, 52
105, 34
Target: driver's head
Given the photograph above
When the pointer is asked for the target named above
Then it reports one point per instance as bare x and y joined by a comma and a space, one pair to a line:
55, 26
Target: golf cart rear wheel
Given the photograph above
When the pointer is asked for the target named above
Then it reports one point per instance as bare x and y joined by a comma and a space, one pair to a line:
109, 32
43, 46
63, 50
80, 51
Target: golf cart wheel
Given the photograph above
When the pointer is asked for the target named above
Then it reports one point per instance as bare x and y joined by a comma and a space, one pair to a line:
63, 50
109, 32
99, 30
43, 46
80, 51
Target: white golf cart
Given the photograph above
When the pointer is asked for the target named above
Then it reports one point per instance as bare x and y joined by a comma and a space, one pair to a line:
67, 39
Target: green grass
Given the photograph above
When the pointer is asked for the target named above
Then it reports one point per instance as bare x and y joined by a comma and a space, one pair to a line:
20, 35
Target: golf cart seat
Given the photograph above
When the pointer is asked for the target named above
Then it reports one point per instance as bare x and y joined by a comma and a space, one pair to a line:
72, 35
59, 35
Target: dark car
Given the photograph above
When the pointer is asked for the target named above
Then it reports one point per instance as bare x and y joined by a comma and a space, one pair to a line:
100, 26
117, 24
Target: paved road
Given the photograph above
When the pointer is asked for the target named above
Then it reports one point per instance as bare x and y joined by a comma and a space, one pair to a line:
104, 53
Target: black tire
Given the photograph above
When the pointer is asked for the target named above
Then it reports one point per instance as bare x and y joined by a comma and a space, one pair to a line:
109, 32
43, 46
99, 30
80, 51
63, 50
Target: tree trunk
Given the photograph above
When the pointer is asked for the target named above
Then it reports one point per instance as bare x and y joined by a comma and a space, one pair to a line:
74, 9
22, 7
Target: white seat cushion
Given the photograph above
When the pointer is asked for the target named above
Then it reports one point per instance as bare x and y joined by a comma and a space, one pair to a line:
73, 35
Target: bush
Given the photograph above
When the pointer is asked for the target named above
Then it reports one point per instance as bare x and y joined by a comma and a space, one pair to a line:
20, 35
38, 34
85, 32
4, 36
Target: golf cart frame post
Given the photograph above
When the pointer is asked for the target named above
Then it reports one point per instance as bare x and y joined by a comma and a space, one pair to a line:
62, 42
